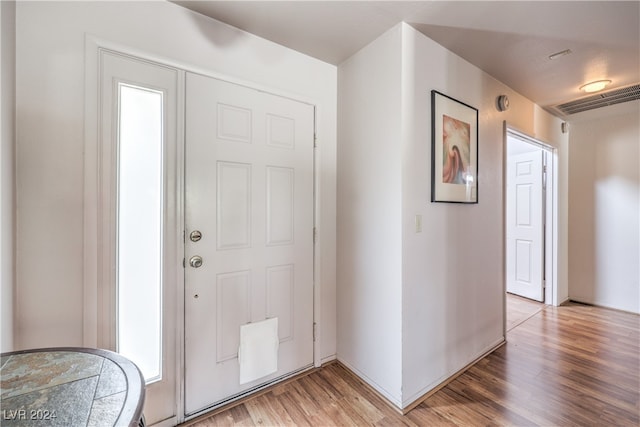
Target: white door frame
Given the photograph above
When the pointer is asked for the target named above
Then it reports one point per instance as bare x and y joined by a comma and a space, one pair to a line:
92, 203
551, 214
100, 306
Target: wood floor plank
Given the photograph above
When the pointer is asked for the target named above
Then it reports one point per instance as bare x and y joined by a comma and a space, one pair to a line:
489, 406
236, 416
574, 365
520, 309
456, 408
294, 409
267, 409
423, 416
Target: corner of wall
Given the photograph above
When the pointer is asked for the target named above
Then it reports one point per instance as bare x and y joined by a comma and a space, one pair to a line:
604, 207
369, 265
7, 173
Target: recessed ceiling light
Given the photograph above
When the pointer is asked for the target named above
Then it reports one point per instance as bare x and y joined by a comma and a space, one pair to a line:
559, 54
596, 86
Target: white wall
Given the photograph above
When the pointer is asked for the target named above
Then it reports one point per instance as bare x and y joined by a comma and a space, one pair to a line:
449, 277
453, 271
369, 254
7, 172
50, 98
604, 208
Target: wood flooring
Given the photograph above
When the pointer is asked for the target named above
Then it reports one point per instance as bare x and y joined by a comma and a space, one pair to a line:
574, 365
520, 309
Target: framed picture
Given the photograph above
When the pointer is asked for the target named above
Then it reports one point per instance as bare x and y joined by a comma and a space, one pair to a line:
454, 150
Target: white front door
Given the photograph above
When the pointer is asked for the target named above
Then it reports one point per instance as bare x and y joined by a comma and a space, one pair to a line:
525, 227
249, 197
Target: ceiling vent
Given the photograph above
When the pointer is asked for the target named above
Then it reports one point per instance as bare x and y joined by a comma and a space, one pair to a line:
604, 99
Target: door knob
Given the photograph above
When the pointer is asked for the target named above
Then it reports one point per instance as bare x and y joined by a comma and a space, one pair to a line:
195, 261
195, 235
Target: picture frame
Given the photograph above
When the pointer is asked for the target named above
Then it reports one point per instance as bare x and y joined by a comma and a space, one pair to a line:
454, 150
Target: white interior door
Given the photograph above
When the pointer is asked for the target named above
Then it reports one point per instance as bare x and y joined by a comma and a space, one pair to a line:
249, 194
525, 226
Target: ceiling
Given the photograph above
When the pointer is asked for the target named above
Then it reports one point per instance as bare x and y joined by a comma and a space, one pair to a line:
510, 40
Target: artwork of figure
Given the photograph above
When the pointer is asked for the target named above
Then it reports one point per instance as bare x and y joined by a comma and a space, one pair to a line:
455, 151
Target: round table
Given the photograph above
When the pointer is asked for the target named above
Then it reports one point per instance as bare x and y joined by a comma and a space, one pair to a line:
69, 387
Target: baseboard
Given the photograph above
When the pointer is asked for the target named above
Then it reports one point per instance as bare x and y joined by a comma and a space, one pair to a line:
368, 386
569, 301
565, 302
406, 409
326, 360
360, 377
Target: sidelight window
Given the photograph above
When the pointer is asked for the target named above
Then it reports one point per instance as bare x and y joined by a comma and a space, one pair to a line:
139, 227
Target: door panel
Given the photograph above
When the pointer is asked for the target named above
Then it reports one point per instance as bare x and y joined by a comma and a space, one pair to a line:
249, 191
280, 185
233, 201
525, 227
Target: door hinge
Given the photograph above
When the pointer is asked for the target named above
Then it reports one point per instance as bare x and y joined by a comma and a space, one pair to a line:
315, 331
315, 140
315, 235
184, 263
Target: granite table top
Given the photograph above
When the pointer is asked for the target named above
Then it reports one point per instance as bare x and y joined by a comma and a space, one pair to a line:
69, 387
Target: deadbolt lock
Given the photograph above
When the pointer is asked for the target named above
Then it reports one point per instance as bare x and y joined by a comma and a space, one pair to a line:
195, 235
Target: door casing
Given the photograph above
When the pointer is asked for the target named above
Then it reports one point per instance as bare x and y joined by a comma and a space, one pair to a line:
551, 215
92, 205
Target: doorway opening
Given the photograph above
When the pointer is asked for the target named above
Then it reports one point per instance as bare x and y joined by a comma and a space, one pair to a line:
530, 226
